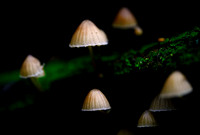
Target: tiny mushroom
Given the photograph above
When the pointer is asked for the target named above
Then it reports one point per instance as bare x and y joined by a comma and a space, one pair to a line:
147, 120
31, 68
87, 35
95, 101
124, 19
176, 85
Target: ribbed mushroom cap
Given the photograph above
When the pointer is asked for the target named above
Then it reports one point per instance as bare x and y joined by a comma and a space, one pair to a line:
147, 120
176, 85
161, 104
124, 19
31, 67
88, 34
95, 100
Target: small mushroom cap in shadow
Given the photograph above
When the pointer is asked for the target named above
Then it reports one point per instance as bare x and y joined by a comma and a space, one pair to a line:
31, 67
161, 104
147, 120
95, 100
124, 19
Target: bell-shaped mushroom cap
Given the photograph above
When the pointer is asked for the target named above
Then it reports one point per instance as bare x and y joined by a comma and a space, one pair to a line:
88, 34
124, 19
176, 85
95, 100
147, 120
31, 67
161, 104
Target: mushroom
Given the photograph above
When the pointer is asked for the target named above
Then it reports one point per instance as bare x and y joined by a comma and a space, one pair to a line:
176, 85
124, 19
95, 101
87, 35
31, 68
147, 120
161, 104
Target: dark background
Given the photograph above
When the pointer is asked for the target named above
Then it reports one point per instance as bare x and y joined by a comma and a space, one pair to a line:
44, 29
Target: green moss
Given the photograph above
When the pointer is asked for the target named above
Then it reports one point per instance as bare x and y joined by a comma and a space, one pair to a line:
148, 46
10, 76
58, 69
175, 51
110, 58
20, 103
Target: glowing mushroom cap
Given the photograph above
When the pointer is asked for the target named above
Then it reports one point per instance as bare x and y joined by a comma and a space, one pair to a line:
31, 67
95, 100
88, 34
147, 120
161, 104
176, 85
124, 19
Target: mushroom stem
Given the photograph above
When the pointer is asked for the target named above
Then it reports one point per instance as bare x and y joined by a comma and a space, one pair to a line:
92, 56
36, 83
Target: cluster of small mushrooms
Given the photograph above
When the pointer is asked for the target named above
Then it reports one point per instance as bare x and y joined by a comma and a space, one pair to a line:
87, 35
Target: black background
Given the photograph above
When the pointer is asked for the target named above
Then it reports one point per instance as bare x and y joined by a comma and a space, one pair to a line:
44, 29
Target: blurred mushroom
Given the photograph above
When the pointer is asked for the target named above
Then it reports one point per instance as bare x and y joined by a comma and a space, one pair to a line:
176, 85
138, 30
161, 104
147, 120
95, 101
31, 68
124, 19
161, 39
87, 35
